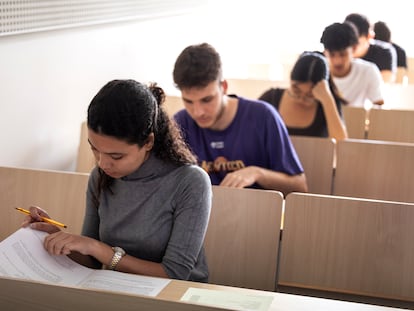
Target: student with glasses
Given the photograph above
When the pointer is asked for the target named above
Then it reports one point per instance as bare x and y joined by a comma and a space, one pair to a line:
311, 106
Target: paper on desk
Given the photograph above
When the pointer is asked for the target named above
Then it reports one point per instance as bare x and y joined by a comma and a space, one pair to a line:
23, 256
226, 299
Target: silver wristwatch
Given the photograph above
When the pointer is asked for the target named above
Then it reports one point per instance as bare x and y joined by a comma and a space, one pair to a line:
118, 254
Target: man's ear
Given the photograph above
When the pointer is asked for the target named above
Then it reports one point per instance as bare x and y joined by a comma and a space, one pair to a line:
224, 86
354, 47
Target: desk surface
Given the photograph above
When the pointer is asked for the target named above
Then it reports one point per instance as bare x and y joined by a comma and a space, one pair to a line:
281, 301
17, 294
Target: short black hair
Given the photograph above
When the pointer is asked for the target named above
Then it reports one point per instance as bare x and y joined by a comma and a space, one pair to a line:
361, 22
339, 36
382, 32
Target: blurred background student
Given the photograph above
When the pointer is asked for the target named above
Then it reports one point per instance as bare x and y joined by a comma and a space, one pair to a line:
358, 80
379, 52
383, 33
311, 106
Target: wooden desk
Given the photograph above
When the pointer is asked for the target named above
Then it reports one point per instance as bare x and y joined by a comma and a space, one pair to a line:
242, 240
17, 295
355, 119
348, 245
62, 194
317, 156
391, 125
374, 169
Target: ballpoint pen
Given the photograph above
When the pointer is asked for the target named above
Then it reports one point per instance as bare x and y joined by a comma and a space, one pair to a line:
44, 219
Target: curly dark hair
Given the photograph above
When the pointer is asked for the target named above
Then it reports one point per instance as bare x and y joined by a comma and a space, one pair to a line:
131, 111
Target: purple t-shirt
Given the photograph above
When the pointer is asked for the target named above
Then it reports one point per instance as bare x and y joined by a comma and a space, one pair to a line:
257, 136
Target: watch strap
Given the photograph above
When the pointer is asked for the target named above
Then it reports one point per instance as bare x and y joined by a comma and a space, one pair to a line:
116, 258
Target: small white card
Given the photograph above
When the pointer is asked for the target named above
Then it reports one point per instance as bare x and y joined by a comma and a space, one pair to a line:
226, 299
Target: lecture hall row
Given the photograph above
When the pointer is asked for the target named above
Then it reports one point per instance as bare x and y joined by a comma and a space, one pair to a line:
397, 113
362, 168
333, 242
257, 243
350, 183
349, 238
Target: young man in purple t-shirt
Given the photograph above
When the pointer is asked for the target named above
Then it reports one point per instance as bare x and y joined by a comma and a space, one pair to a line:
238, 141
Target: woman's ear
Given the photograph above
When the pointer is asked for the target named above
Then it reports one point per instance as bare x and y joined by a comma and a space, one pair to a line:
150, 141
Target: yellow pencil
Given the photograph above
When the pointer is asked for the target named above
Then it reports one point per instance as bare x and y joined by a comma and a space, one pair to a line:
44, 219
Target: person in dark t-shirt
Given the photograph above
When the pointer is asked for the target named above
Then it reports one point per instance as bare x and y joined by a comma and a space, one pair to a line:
381, 53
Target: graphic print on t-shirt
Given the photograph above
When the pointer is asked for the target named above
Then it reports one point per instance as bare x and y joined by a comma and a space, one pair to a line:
221, 164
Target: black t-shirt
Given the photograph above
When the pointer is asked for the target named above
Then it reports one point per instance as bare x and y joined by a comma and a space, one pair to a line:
401, 56
382, 54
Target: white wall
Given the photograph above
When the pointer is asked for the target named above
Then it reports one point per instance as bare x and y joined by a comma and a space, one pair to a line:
48, 79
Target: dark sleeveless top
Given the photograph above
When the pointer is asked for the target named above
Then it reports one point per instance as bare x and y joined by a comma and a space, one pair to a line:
317, 128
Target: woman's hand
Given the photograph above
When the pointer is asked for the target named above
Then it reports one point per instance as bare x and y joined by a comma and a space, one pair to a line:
336, 128
63, 243
322, 92
34, 220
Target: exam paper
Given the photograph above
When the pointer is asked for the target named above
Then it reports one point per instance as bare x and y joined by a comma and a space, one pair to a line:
23, 256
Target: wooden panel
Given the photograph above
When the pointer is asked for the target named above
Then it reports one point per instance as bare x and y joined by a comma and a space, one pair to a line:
173, 104
355, 120
17, 295
62, 194
252, 88
20, 295
410, 71
401, 75
242, 238
391, 125
349, 245
317, 156
374, 169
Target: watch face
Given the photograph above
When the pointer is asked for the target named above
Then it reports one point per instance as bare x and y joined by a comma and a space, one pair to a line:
119, 250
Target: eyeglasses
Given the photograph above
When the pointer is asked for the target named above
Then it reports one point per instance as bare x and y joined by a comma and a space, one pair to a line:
306, 98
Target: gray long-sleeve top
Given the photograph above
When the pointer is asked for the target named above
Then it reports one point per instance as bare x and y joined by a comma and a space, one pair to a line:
158, 213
